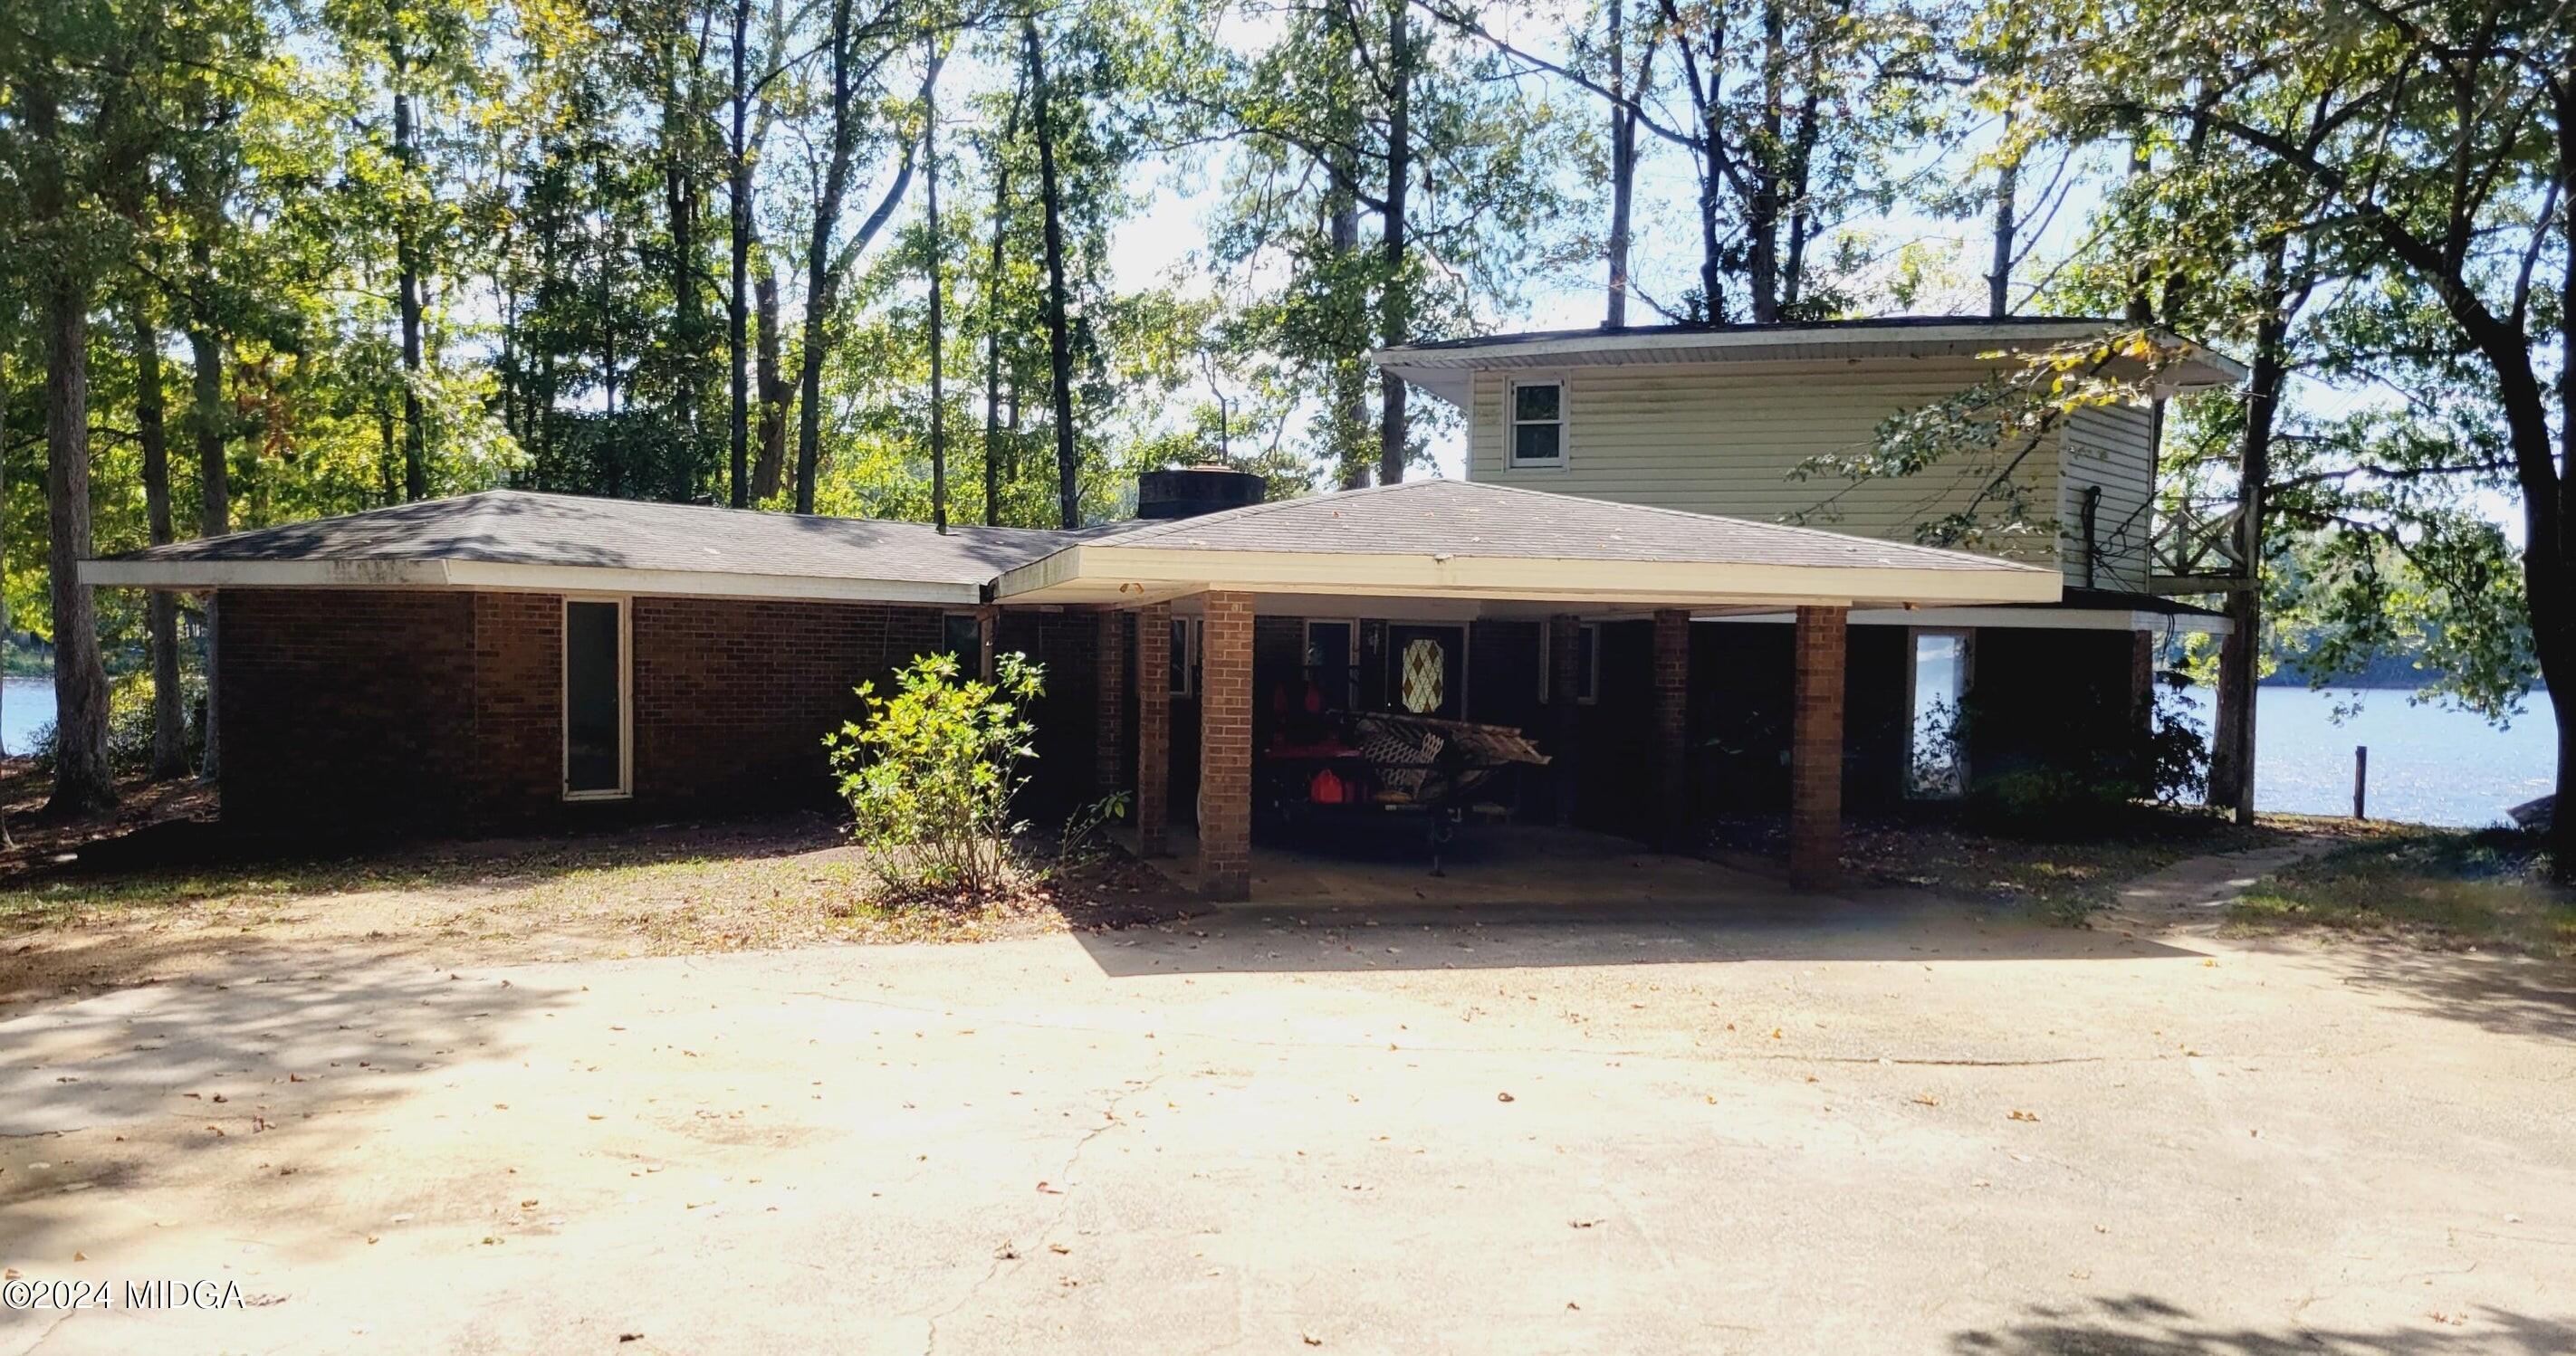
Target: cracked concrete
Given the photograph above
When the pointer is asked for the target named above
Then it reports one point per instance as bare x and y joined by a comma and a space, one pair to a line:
1745, 1123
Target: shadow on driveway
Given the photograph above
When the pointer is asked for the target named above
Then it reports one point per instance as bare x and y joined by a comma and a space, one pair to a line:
1882, 926
2142, 1325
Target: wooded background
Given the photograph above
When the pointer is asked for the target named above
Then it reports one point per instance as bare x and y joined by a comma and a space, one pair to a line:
273, 260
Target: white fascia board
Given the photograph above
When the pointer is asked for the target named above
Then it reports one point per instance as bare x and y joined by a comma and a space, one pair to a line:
1135, 573
468, 574
2053, 619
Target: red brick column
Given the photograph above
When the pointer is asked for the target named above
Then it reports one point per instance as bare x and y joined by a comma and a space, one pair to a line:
1672, 729
1225, 748
1564, 675
1816, 749
1153, 729
1109, 704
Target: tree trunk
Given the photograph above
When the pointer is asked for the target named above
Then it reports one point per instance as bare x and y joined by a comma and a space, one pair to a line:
2007, 193
407, 252
2231, 764
2558, 625
935, 248
206, 418
737, 318
771, 382
680, 205
1068, 468
993, 314
824, 269
161, 608
1623, 170
1762, 213
1350, 374
818, 267
1395, 311
82, 782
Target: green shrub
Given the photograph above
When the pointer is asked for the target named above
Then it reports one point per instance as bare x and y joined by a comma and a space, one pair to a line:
931, 772
129, 725
2085, 783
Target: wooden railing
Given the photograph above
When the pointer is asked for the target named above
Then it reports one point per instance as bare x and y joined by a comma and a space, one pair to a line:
2195, 550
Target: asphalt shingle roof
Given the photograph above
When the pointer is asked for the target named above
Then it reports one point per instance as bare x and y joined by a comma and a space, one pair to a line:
519, 527
1471, 518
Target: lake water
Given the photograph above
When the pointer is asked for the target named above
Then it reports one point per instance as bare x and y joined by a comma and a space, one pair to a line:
2427, 765
25, 703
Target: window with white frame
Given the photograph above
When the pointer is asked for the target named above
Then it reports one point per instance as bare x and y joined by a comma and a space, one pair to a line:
1538, 423
1937, 690
598, 729
1587, 663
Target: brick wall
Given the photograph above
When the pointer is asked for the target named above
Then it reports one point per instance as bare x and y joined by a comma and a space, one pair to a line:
1109, 703
1225, 747
442, 711
518, 705
733, 697
1672, 646
1153, 729
1816, 747
339, 704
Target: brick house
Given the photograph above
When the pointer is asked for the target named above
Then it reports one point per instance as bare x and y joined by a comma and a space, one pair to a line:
509, 660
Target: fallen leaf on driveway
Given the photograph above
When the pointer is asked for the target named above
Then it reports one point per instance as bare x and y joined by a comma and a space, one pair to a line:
1502, 1097
2021, 1115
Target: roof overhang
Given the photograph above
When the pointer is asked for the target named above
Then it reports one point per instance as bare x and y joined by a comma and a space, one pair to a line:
1135, 575
199, 575
1448, 370
2032, 618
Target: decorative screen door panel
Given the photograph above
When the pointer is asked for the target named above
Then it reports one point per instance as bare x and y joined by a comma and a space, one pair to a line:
1427, 670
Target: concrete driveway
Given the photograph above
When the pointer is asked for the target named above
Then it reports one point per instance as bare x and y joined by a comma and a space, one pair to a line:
1651, 1125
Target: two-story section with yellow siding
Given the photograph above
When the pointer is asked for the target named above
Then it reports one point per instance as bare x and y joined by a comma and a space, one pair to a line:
1734, 420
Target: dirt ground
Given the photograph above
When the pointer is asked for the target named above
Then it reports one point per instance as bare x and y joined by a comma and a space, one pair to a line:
154, 894
1703, 1117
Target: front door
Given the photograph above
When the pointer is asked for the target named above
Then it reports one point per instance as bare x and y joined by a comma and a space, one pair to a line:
1427, 670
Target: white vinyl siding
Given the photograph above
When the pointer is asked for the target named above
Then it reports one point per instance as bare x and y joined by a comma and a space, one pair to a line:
2112, 447
1723, 438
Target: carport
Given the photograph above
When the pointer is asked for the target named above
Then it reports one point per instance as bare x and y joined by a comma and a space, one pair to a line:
1430, 554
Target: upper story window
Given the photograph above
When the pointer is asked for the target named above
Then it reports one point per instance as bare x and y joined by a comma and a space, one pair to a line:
1538, 423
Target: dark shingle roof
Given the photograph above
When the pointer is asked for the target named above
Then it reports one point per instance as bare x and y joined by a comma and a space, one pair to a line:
519, 527
1471, 518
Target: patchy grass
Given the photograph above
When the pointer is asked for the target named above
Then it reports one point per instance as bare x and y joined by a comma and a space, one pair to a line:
785, 883
2446, 888
2064, 881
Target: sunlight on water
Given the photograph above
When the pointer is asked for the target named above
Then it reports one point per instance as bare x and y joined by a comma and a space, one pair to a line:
25, 705
2428, 765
